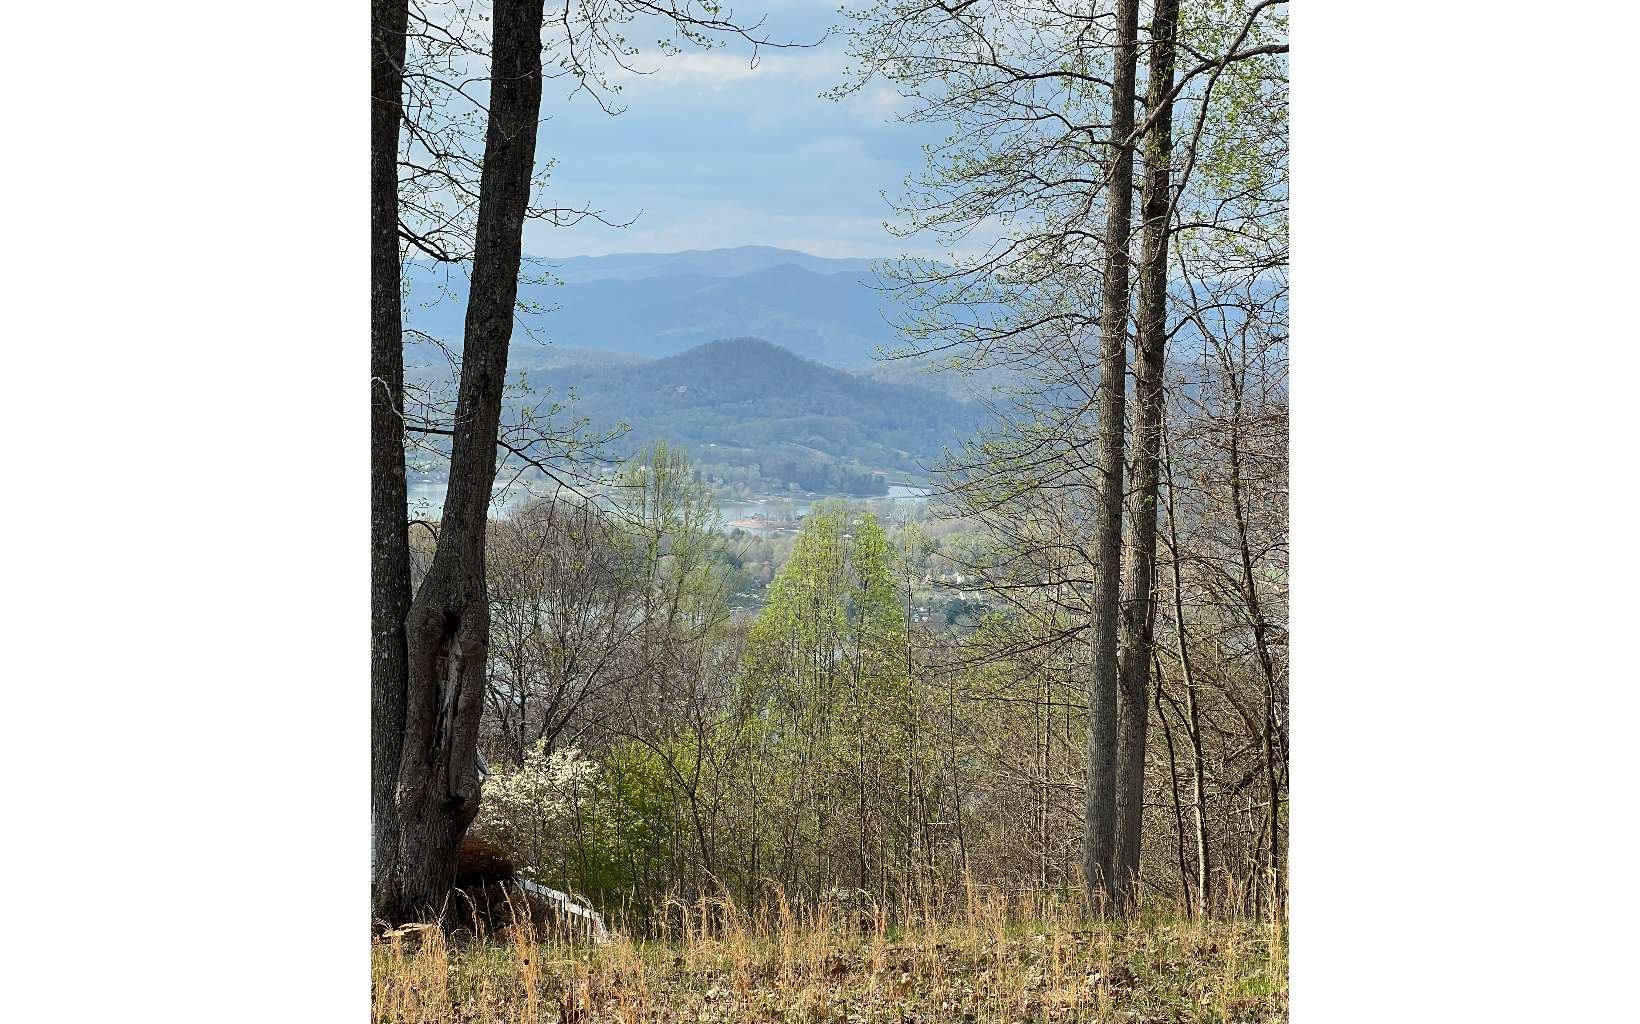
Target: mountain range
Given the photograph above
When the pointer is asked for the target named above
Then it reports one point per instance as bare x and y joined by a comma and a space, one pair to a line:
745, 259
662, 304
759, 360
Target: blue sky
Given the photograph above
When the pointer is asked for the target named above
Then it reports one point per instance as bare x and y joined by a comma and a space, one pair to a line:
711, 152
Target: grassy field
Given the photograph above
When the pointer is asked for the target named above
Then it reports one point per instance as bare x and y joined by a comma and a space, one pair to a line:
988, 962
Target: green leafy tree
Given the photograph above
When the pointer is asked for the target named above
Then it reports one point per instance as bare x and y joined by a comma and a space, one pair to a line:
827, 659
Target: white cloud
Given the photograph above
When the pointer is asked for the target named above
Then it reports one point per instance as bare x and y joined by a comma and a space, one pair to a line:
713, 70
723, 224
832, 149
877, 105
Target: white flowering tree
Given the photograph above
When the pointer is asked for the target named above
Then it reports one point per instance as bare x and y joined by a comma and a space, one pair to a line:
534, 811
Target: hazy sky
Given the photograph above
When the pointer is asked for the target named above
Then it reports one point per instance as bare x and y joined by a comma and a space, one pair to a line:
711, 152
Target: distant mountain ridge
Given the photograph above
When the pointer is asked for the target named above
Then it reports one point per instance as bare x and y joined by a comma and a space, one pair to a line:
745, 259
662, 304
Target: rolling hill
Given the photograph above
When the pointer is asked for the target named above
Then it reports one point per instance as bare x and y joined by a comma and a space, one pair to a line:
748, 407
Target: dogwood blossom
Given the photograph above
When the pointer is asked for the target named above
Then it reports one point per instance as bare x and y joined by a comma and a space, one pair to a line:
530, 808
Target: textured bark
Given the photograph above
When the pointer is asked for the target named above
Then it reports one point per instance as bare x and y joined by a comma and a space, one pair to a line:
1138, 592
389, 542
1098, 839
448, 625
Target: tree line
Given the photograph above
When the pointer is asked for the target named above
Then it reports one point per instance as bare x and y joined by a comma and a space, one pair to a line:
667, 749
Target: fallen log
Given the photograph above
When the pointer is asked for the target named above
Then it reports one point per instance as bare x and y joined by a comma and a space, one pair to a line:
495, 890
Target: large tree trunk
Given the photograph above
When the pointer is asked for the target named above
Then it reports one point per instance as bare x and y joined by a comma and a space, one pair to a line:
389, 540
1150, 345
1098, 838
449, 621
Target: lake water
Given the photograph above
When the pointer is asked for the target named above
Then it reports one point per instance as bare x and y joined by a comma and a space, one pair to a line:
773, 514
427, 501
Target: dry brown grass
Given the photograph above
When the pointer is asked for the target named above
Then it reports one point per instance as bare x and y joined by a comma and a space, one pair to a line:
991, 959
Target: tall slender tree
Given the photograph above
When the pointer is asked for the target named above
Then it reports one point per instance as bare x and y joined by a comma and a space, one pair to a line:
1149, 350
1099, 829
1191, 714
389, 545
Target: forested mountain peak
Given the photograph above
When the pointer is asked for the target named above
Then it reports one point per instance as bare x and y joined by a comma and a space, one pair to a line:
747, 401
745, 358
